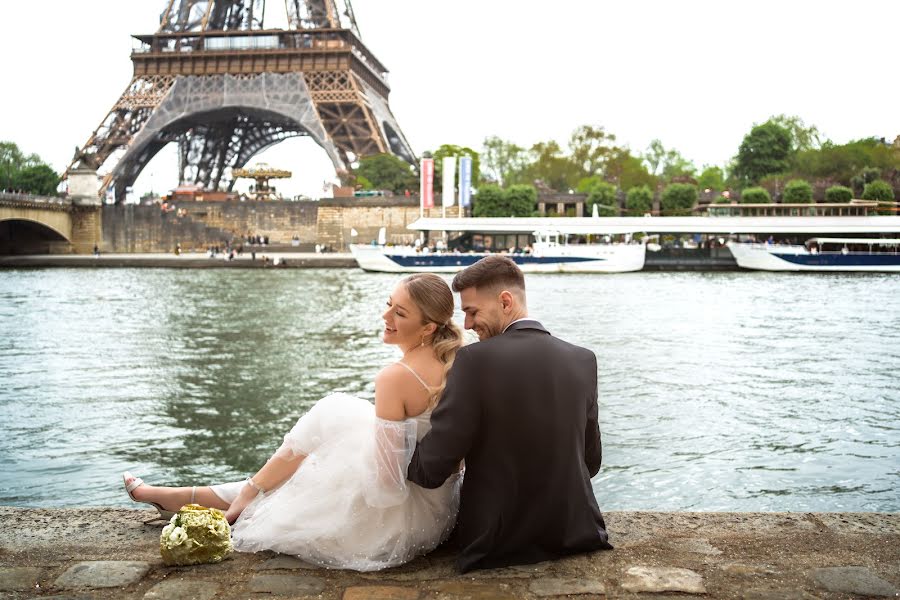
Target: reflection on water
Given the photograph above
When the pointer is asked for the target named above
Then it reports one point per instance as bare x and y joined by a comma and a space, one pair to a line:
734, 391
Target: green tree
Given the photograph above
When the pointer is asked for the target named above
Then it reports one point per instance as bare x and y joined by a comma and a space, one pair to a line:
36, 179
521, 200
602, 195
549, 165
501, 160
492, 201
878, 190
678, 199
387, 172
667, 163
766, 150
20, 171
755, 195
712, 178
803, 137
838, 194
628, 171
590, 148
447, 150
797, 191
639, 200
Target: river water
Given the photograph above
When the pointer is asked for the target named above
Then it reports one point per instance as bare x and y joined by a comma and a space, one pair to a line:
718, 391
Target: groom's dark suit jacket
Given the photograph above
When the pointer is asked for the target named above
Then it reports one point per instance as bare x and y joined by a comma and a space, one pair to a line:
521, 408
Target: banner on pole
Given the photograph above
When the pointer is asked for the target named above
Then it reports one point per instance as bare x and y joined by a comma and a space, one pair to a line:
449, 178
465, 181
426, 183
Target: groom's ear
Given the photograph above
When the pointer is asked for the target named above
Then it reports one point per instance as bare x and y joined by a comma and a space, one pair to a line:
507, 300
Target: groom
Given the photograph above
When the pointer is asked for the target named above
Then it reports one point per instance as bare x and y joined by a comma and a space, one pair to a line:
521, 409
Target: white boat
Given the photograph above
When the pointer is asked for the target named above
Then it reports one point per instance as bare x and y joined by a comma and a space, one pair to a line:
821, 254
547, 255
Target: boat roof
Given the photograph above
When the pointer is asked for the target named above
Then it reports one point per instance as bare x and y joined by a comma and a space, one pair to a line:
882, 241
614, 225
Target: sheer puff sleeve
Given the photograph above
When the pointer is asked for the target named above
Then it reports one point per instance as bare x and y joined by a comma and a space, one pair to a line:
395, 442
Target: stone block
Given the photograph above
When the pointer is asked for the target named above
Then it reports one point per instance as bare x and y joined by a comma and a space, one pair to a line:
287, 585
283, 563
102, 574
557, 586
473, 591
853, 580
663, 579
380, 592
19, 579
180, 589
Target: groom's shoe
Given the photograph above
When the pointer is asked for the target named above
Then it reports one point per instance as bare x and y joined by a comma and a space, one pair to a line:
132, 483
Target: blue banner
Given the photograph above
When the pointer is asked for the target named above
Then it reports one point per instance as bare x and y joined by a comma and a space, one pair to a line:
465, 180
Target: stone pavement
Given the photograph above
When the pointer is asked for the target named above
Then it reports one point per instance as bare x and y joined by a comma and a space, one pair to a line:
110, 553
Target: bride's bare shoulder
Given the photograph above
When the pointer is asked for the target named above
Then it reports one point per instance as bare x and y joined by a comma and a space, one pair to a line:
389, 386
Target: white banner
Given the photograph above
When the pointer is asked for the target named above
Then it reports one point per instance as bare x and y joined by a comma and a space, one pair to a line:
465, 181
449, 175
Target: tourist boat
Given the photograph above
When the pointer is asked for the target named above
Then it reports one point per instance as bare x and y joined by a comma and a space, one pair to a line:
821, 254
549, 253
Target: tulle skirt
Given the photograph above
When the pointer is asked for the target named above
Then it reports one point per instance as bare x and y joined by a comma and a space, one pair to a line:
339, 509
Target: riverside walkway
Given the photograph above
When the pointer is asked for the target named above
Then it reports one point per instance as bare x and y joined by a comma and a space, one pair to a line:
187, 260
103, 554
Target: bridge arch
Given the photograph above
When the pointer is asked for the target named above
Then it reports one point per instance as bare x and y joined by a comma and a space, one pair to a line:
282, 101
22, 235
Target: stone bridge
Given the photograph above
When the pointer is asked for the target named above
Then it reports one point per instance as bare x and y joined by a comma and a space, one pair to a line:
46, 225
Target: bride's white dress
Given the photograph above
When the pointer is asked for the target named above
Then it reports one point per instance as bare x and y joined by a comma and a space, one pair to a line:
349, 504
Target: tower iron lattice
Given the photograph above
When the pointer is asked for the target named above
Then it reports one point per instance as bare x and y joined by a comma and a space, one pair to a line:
222, 87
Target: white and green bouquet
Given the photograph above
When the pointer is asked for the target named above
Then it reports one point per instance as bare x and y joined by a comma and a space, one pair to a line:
195, 535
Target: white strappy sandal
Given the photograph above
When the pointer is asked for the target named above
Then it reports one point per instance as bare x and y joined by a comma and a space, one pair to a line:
132, 483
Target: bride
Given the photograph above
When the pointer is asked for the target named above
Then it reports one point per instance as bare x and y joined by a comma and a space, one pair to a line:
335, 493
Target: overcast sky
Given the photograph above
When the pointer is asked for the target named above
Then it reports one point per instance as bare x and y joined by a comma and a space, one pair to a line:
695, 74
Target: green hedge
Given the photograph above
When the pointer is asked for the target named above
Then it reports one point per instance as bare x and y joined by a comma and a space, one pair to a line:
679, 199
755, 195
797, 191
838, 194
639, 200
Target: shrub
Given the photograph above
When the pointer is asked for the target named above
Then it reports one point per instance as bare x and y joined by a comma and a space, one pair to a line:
604, 195
488, 202
878, 190
639, 200
755, 195
797, 191
838, 194
520, 200
679, 199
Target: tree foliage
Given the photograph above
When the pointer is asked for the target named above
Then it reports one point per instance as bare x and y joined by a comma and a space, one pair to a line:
766, 150
838, 194
667, 163
712, 178
492, 201
878, 190
678, 199
25, 172
803, 137
755, 195
386, 172
639, 201
603, 195
590, 148
797, 191
628, 171
501, 160
447, 150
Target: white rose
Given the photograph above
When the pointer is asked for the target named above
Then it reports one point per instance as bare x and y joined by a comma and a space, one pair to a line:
178, 536
167, 530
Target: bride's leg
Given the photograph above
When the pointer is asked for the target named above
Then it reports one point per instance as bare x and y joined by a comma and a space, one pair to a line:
276, 471
173, 498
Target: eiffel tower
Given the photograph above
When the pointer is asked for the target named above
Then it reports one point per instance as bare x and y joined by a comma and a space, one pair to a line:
213, 80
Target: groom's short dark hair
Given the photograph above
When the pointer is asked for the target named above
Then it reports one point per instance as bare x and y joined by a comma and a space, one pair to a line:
494, 271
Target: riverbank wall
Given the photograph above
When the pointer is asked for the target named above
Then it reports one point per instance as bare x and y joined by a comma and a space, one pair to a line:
107, 553
333, 223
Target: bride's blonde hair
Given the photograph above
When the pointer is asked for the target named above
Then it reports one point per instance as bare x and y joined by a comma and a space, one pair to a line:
433, 297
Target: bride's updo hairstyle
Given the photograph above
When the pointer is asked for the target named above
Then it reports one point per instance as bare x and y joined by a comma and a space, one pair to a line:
433, 297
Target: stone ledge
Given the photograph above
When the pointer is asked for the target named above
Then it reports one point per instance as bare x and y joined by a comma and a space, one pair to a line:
709, 555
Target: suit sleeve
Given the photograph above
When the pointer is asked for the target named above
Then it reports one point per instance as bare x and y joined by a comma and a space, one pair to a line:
593, 449
454, 423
